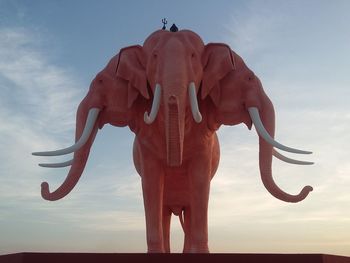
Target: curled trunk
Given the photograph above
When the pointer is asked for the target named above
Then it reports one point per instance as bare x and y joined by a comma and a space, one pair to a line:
265, 158
79, 160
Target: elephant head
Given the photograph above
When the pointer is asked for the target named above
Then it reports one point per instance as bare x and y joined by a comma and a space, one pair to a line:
174, 76
175, 69
238, 97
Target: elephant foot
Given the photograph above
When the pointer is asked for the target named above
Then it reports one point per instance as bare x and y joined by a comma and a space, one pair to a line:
198, 249
155, 248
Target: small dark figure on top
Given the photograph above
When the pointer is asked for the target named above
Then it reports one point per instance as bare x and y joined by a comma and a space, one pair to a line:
174, 28
164, 21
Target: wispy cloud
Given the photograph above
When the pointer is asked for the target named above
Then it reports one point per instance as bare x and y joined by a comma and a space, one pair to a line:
37, 112
33, 88
37, 109
309, 114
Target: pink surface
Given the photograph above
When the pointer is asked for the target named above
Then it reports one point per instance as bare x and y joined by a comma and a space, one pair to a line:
175, 156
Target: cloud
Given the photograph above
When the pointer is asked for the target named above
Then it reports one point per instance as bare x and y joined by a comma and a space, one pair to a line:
32, 87
309, 115
251, 30
37, 111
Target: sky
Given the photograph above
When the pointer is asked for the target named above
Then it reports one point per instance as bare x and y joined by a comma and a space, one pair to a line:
51, 50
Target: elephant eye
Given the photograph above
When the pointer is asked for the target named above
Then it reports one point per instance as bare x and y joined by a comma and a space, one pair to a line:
251, 77
155, 55
193, 55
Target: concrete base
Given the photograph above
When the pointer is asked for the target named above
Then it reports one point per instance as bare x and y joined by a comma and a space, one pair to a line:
170, 258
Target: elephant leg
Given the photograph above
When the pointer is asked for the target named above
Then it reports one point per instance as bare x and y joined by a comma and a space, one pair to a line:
199, 177
187, 230
166, 228
152, 176
152, 185
199, 221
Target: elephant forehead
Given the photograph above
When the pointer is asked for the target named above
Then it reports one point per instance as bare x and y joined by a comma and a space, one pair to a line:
162, 36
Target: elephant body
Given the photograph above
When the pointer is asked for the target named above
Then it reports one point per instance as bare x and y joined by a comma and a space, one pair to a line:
176, 186
178, 189
174, 93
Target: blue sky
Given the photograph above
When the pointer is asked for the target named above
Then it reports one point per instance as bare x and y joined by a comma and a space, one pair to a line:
51, 50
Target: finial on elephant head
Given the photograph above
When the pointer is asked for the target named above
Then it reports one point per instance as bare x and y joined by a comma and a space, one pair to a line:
164, 21
174, 28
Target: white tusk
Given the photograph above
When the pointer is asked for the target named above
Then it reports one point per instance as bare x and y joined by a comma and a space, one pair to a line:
289, 160
155, 106
89, 125
197, 116
254, 114
56, 165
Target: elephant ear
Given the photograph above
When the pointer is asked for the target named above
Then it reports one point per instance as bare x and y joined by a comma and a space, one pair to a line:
118, 85
131, 67
217, 62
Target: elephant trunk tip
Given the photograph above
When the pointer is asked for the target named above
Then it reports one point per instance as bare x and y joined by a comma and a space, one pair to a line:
309, 188
172, 162
45, 192
302, 195
306, 190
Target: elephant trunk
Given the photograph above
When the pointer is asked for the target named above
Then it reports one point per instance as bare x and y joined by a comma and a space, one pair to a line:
174, 132
79, 160
265, 157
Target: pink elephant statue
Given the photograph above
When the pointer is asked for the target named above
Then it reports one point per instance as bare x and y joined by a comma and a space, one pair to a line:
174, 92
